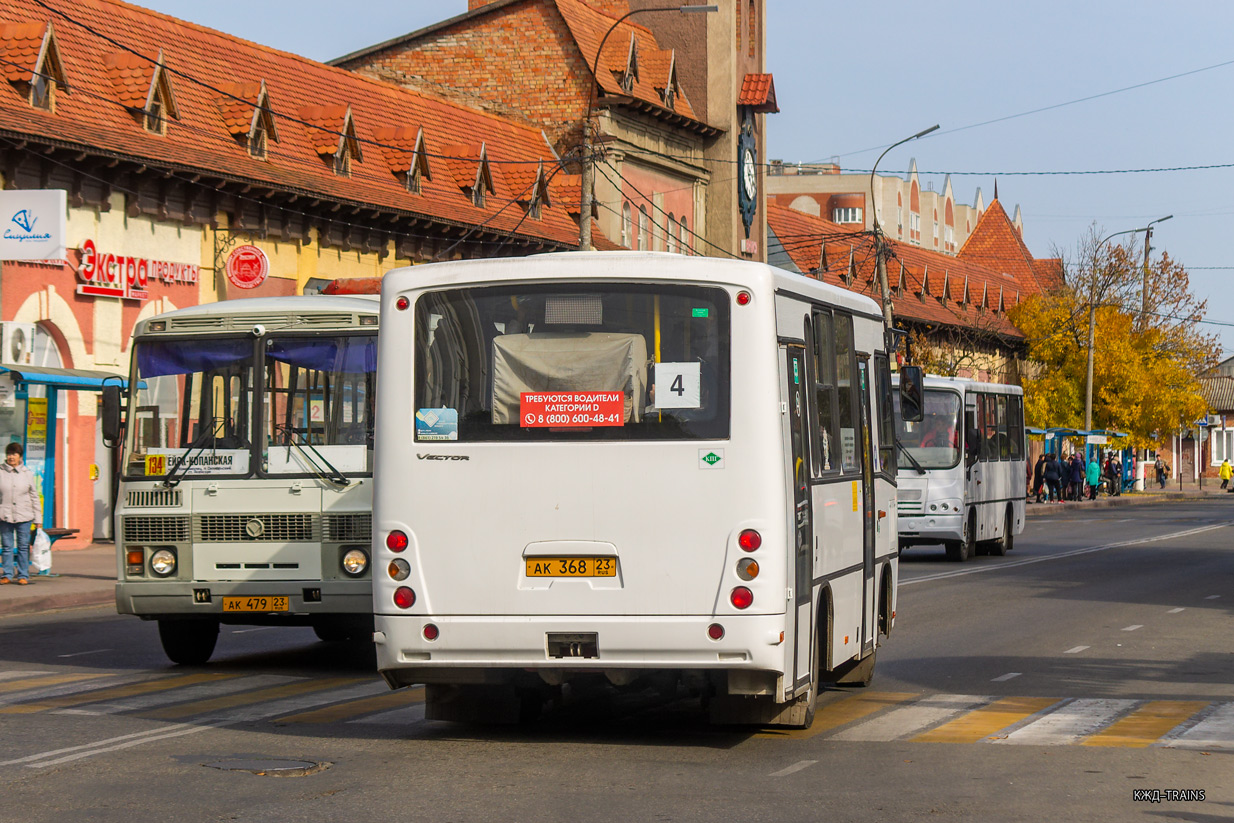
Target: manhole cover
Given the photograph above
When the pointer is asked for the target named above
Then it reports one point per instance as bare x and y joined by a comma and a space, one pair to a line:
270, 767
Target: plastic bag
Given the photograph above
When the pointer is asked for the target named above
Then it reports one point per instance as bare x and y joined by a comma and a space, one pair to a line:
40, 553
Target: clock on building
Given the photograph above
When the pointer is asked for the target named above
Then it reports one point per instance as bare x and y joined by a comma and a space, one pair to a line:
747, 178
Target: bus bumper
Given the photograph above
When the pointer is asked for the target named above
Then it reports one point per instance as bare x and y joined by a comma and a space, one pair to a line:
485, 649
915, 530
306, 598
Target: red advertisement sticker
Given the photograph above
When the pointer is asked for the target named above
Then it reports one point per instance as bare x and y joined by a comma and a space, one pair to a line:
571, 408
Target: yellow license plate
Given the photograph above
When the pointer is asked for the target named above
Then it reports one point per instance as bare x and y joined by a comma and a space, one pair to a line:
257, 603
571, 566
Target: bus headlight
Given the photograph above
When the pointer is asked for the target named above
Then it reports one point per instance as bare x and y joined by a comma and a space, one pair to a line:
163, 562
355, 562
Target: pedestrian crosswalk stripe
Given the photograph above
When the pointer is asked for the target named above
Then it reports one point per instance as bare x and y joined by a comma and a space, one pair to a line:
1145, 725
1070, 723
395, 717
13, 675
10, 686
217, 704
203, 691
97, 695
1216, 731
356, 708
842, 712
985, 721
929, 711
359, 688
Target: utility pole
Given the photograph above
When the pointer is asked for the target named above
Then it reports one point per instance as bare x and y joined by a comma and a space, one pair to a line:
1148, 235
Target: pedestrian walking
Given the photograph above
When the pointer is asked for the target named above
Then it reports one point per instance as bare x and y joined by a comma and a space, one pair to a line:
1038, 476
1052, 475
1162, 470
1094, 476
1225, 472
20, 505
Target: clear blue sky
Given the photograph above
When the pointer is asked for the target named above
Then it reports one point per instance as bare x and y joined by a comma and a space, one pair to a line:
851, 76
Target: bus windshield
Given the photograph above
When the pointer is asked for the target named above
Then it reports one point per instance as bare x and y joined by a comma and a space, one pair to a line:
192, 403
935, 441
318, 405
572, 362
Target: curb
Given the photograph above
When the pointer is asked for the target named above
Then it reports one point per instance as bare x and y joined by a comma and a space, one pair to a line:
1138, 499
40, 604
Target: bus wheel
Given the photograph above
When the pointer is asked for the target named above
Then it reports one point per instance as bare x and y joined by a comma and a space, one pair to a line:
961, 550
188, 642
1002, 545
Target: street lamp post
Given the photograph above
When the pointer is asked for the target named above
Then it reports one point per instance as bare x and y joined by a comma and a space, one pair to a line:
1148, 235
1092, 313
880, 259
588, 175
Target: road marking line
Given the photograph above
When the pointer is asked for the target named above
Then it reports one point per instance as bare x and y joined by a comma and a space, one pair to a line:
15, 675
257, 629
92, 651
1146, 724
49, 680
906, 720
54, 752
1213, 597
397, 717
1077, 649
179, 731
99, 695
400, 699
230, 685
793, 769
1133, 627
1070, 723
987, 720
201, 707
363, 687
842, 712
1063, 555
1005, 677
1176, 611
1213, 732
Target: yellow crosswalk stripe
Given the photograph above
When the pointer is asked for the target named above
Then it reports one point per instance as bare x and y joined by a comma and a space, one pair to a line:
357, 708
842, 712
1145, 725
47, 680
131, 690
981, 723
247, 698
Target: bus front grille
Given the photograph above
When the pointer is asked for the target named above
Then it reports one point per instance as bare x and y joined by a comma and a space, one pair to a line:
905, 507
158, 498
354, 527
249, 528
156, 529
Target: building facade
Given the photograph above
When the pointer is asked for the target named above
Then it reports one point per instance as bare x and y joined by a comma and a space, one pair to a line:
178, 145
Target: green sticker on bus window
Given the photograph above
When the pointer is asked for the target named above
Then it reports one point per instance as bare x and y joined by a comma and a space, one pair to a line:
699, 312
796, 373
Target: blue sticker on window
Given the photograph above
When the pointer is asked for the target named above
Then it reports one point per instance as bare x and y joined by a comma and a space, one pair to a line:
437, 424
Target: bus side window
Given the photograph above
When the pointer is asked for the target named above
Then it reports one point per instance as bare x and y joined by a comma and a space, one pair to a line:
989, 426
1015, 424
847, 392
885, 415
826, 458
1004, 440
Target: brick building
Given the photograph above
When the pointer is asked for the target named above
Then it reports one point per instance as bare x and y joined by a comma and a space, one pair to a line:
675, 102
182, 143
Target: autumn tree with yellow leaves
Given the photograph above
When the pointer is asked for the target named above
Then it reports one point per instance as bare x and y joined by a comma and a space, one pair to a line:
1145, 363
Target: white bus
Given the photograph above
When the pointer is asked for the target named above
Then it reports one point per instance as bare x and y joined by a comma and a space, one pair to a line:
642, 467
245, 490
962, 476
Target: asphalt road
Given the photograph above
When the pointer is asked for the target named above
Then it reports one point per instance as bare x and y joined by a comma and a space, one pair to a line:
1090, 663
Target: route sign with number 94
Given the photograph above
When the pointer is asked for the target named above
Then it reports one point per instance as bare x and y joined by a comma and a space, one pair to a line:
678, 386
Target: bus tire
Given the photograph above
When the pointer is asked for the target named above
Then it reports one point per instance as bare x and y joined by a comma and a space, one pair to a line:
1002, 545
188, 642
960, 550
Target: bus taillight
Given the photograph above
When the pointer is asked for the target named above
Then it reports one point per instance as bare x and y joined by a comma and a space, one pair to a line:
715, 631
431, 632
741, 598
396, 541
404, 597
749, 540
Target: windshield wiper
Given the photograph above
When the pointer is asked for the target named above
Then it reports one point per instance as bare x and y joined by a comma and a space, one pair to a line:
332, 474
904, 451
183, 461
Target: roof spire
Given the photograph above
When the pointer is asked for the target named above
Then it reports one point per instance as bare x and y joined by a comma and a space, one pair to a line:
995, 188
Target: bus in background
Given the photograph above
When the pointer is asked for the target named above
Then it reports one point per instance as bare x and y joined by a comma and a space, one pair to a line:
962, 470
639, 467
245, 491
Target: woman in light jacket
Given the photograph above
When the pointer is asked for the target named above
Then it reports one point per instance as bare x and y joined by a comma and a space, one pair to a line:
20, 505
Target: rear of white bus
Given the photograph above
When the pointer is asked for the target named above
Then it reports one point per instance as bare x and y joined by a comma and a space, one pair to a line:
576, 477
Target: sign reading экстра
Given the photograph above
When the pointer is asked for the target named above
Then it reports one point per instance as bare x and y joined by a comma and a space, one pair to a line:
33, 224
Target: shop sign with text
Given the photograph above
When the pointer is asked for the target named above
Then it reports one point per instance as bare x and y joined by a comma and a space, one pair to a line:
114, 275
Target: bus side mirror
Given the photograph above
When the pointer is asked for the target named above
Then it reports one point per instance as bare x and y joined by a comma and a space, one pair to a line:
111, 416
912, 401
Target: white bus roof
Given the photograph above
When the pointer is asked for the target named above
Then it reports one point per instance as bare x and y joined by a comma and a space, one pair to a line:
938, 381
323, 311
619, 265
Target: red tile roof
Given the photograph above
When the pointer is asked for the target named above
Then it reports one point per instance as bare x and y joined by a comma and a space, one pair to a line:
758, 90
238, 106
996, 244
930, 284
20, 44
104, 80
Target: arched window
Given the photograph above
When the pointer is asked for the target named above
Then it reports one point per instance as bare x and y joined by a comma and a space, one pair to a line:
626, 224
670, 236
685, 236
644, 242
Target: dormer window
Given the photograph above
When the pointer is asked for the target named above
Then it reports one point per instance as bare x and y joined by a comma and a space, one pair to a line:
342, 161
631, 75
42, 92
415, 179
155, 120
477, 196
33, 42
668, 96
257, 141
